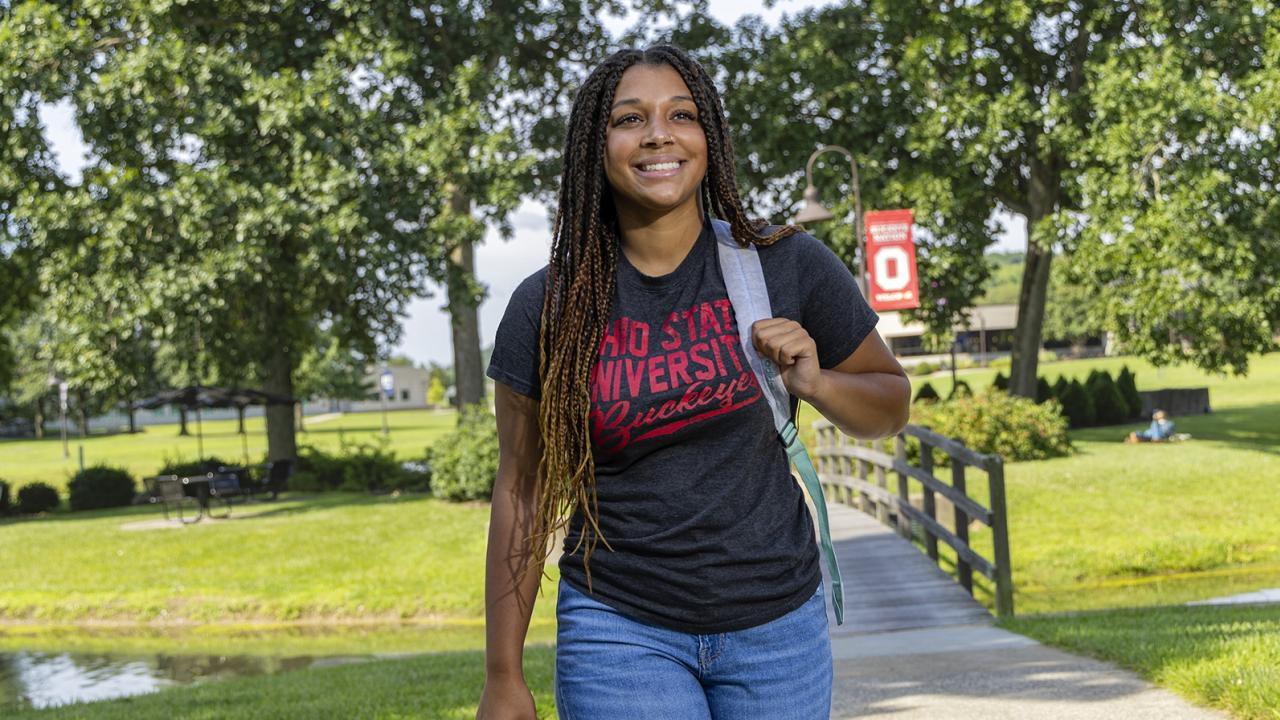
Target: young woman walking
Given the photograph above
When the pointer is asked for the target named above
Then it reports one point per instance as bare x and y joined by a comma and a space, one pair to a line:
628, 416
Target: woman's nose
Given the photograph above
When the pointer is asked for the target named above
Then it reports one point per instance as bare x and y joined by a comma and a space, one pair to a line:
658, 133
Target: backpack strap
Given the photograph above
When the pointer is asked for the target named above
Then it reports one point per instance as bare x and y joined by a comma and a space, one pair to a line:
744, 279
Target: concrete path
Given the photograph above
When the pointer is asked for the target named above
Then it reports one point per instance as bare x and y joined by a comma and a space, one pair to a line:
915, 646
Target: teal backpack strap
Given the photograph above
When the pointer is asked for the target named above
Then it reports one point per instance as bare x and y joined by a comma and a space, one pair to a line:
744, 279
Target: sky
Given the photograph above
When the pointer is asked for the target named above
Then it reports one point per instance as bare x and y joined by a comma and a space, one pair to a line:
500, 265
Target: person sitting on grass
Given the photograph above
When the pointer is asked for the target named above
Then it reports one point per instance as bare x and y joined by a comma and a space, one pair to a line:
1161, 429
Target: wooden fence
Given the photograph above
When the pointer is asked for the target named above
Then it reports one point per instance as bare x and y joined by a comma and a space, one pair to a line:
856, 473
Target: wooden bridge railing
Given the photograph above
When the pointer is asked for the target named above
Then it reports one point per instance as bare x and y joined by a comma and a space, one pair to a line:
846, 466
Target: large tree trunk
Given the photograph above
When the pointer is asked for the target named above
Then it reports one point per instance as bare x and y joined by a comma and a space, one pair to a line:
133, 420
1041, 201
240, 419
468, 372
281, 440
1027, 335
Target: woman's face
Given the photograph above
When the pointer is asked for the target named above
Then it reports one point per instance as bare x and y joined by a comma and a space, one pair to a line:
655, 149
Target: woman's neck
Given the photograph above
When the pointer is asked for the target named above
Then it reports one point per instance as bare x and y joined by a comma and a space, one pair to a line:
657, 244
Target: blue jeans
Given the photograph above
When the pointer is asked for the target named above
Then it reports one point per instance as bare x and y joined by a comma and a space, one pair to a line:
610, 667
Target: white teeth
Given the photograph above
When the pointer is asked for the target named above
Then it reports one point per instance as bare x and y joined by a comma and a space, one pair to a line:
660, 166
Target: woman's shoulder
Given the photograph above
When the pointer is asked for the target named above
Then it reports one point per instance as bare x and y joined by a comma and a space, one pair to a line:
800, 252
532, 288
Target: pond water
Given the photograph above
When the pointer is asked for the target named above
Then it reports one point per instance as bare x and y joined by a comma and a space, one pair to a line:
34, 679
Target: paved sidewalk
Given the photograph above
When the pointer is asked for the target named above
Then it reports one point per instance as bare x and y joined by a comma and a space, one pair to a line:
977, 672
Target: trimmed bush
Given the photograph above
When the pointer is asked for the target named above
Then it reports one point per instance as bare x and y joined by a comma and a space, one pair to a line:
1044, 393
959, 390
37, 498
100, 486
362, 467
1001, 363
926, 394
1001, 382
1014, 427
1109, 405
1128, 386
190, 468
1060, 388
4, 497
1077, 405
464, 463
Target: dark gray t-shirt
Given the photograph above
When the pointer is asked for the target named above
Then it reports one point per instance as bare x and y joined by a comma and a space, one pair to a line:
709, 530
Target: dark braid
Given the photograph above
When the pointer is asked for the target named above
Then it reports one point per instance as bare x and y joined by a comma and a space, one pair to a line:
580, 283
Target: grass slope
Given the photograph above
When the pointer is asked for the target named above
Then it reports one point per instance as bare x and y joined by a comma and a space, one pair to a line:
1227, 657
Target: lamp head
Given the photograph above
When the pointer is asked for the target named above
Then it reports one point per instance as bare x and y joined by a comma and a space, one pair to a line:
812, 211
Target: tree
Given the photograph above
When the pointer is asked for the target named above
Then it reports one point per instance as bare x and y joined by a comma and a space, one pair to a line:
263, 177
959, 108
1072, 311
435, 392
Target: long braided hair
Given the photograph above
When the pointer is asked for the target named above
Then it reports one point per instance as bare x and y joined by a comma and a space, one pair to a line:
580, 283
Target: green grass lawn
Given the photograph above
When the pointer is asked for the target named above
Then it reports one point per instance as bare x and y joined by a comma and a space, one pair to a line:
142, 454
1114, 526
333, 556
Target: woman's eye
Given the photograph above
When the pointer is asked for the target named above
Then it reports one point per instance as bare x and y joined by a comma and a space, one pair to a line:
684, 114
625, 119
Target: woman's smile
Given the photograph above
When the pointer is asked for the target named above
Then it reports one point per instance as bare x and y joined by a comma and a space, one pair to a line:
659, 167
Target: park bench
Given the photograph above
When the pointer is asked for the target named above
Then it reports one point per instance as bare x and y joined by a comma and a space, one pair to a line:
225, 486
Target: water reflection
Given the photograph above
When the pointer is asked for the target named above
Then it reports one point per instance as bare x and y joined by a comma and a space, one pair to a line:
40, 679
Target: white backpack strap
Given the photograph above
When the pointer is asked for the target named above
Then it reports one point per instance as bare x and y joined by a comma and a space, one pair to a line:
744, 280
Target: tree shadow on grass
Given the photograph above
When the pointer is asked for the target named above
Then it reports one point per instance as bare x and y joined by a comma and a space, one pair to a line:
1254, 427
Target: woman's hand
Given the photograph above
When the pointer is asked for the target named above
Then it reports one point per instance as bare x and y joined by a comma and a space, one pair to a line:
506, 699
789, 346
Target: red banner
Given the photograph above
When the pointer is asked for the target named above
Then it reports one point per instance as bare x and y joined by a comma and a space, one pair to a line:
891, 261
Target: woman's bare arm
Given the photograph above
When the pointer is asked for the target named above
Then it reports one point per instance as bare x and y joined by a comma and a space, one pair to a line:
508, 603
867, 395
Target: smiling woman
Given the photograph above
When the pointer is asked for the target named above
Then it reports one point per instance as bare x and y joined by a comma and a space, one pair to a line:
629, 417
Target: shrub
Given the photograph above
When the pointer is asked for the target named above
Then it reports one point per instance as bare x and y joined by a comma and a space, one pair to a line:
959, 390
464, 463
922, 368
1128, 385
361, 467
1001, 382
4, 497
1044, 393
372, 468
1014, 427
1077, 405
1109, 405
927, 394
1060, 388
189, 468
1001, 363
100, 487
37, 498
